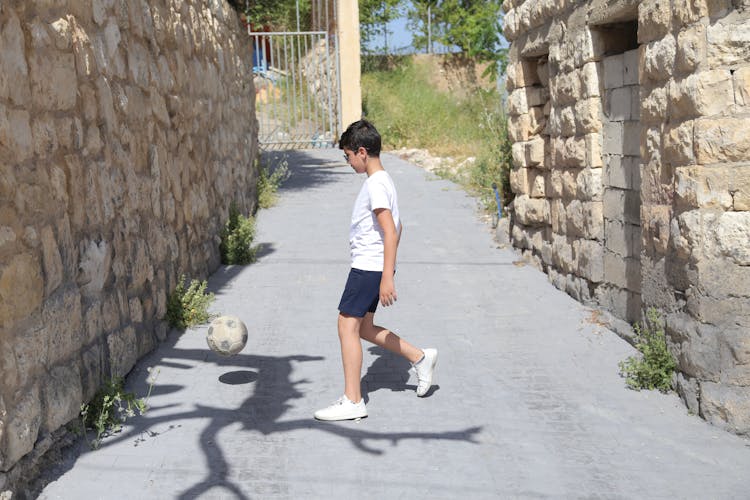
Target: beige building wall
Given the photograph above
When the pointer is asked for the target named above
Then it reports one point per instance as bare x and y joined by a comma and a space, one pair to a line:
126, 129
631, 130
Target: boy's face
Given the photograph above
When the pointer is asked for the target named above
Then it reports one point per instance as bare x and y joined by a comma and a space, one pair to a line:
357, 159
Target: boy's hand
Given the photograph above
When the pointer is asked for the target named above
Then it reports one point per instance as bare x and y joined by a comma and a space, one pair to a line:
387, 291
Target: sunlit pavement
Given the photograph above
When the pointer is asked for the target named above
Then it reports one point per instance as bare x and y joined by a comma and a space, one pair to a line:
528, 402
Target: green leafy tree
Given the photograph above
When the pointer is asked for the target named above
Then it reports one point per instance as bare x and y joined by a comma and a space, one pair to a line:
471, 25
374, 16
276, 15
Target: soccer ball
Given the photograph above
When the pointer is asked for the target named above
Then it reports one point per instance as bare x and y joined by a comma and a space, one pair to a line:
227, 335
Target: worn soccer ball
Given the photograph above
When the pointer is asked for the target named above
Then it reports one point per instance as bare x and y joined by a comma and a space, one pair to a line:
227, 335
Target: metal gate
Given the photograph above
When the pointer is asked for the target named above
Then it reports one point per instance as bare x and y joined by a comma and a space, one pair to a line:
296, 76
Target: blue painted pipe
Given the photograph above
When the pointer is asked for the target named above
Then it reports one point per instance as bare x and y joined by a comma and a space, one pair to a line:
499, 201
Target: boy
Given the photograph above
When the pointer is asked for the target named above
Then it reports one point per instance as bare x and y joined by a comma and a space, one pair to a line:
373, 236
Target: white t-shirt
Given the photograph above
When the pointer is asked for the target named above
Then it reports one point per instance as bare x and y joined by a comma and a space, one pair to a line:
365, 234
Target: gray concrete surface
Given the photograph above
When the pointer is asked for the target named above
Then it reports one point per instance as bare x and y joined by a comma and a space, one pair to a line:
528, 401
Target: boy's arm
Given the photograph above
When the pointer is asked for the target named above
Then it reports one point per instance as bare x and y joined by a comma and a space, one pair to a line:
390, 244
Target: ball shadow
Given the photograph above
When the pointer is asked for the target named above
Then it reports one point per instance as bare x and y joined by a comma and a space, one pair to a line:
238, 377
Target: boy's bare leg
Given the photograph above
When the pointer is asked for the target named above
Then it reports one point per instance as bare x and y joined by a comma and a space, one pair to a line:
351, 355
385, 338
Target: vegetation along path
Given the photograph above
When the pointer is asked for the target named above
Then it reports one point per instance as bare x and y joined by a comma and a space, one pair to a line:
528, 401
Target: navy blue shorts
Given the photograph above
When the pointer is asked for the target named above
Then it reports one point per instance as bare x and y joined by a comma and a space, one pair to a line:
361, 293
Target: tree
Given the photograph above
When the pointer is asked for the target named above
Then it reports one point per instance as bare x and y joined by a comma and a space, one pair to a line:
274, 15
374, 16
471, 25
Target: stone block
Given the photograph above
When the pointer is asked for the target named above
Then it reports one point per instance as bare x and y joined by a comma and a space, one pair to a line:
537, 188
531, 211
589, 184
16, 142
654, 20
612, 138
630, 60
62, 323
688, 390
614, 71
621, 205
590, 256
519, 129
635, 103
53, 272
54, 81
569, 183
593, 145
558, 216
562, 254
566, 88
518, 154
742, 86
94, 268
707, 93
588, 116
653, 105
522, 74
519, 180
726, 406
517, 102
567, 121
687, 12
123, 351
13, 66
21, 288
619, 104
22, 426
616, 173
62, 395
44, 136
585, 219
631, 138
623, 272
615, 237
591, 80
655, 226
555, 184
658, 59
536, 152
678, 144
697, 346
722, 139
728, 42
692, 48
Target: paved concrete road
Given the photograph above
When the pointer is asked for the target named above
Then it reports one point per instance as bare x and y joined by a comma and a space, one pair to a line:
528, 402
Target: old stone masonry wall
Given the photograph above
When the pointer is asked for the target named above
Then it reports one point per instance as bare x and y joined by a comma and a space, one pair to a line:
631, 129
126, 128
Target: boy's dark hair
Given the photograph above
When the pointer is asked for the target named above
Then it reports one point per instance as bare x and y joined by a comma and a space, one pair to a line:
361, 134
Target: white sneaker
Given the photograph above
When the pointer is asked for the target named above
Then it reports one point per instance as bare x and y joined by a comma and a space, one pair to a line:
343, 409
425, 369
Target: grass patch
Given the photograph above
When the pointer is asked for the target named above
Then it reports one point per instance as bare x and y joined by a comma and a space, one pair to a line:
654, 367
236, 238
188, 306
111, 406
410, 112
272, 172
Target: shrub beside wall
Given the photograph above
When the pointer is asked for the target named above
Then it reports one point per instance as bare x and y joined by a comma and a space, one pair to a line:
126, 129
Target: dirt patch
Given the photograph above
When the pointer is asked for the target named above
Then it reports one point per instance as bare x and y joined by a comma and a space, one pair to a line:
455, 73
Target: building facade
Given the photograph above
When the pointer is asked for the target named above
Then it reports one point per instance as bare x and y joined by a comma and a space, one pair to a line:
631, 167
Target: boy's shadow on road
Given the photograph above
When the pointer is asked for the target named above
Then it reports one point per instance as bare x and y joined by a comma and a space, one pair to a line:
388, 371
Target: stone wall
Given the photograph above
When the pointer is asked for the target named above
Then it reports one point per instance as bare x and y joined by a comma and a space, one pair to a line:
631, 130
126, 128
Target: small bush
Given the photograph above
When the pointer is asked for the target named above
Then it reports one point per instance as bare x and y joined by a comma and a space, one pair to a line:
237, 238
654, 367
109, 409
269, 180
187, 307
